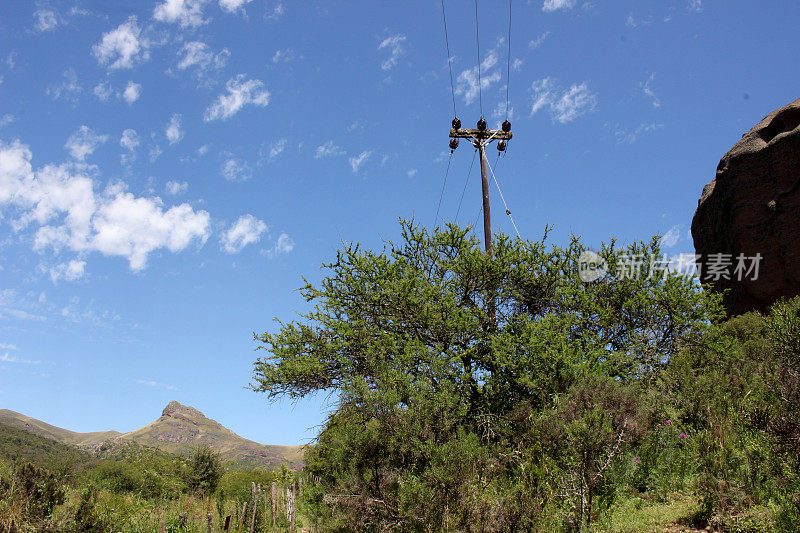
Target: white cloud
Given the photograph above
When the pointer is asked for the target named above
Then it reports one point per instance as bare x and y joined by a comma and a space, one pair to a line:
241, 92
155, 152
539, 41
283, 245
467, 81
62, 202
132, 92
277, 12
624, 136
411, 173
6, 358
283, 56
129, 140
360, 159
499, 111
173, 130
71, 271
156, 384
564, 105
133, 227
645, 85
121, 47
6, 346
277, 148
672, 237
328, 149
197, 54
553, 5
46, 20
103, 91
188, 13
69, 89
395, 46
174, 187
6, 119
232, 5
246, 230
696, 5
236, 170
83, 142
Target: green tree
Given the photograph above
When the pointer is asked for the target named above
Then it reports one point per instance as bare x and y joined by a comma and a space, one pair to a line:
442, 359
205, 470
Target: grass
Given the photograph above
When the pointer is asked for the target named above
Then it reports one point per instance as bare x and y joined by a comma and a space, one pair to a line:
638, 515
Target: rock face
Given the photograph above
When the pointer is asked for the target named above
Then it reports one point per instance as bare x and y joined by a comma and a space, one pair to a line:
752, 207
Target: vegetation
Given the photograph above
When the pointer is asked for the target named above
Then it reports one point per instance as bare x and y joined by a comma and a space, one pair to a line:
478, 393
176, 421
503, 393
48, 486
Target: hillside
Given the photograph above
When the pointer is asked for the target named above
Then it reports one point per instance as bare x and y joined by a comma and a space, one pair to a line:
24, 446
20, 421
179, 429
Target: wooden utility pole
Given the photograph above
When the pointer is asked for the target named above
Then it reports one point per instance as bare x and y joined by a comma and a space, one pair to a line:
487, 212
480, 138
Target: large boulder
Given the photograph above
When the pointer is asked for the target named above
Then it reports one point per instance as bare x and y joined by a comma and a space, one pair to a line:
751, 209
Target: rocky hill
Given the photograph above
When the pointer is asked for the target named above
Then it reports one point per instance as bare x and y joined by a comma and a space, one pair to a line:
749, 211
179, 429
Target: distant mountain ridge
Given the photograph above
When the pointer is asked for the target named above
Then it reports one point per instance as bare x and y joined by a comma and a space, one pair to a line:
179, 429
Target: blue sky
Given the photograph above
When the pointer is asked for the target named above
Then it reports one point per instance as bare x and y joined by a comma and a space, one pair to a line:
169, 170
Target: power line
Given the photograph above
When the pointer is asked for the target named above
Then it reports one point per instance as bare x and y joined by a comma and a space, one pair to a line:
508, 211
478, 43
508, 59
466, 182
449, 65
441, 194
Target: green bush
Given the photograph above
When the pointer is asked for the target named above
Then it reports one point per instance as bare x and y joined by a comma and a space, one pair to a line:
205, 470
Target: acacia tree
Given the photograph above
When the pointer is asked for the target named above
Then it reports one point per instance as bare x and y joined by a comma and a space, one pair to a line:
440, 357
205, 470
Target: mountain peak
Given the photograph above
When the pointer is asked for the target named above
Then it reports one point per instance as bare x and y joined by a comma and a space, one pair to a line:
175, 408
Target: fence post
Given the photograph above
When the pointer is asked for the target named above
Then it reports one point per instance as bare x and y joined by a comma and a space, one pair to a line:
273, 496
255, 507
241, 519
291, 507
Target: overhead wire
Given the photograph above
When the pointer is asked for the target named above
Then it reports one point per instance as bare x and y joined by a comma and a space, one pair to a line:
466, 182
449, 63
508, 211
478, 47
480, 210
444, 184
508, 59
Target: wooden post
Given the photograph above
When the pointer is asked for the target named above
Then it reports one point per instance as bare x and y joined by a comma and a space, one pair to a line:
227, 526
487, 216
208, 517
273, 497
291, 508
480, 139
241, 519
255, 507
